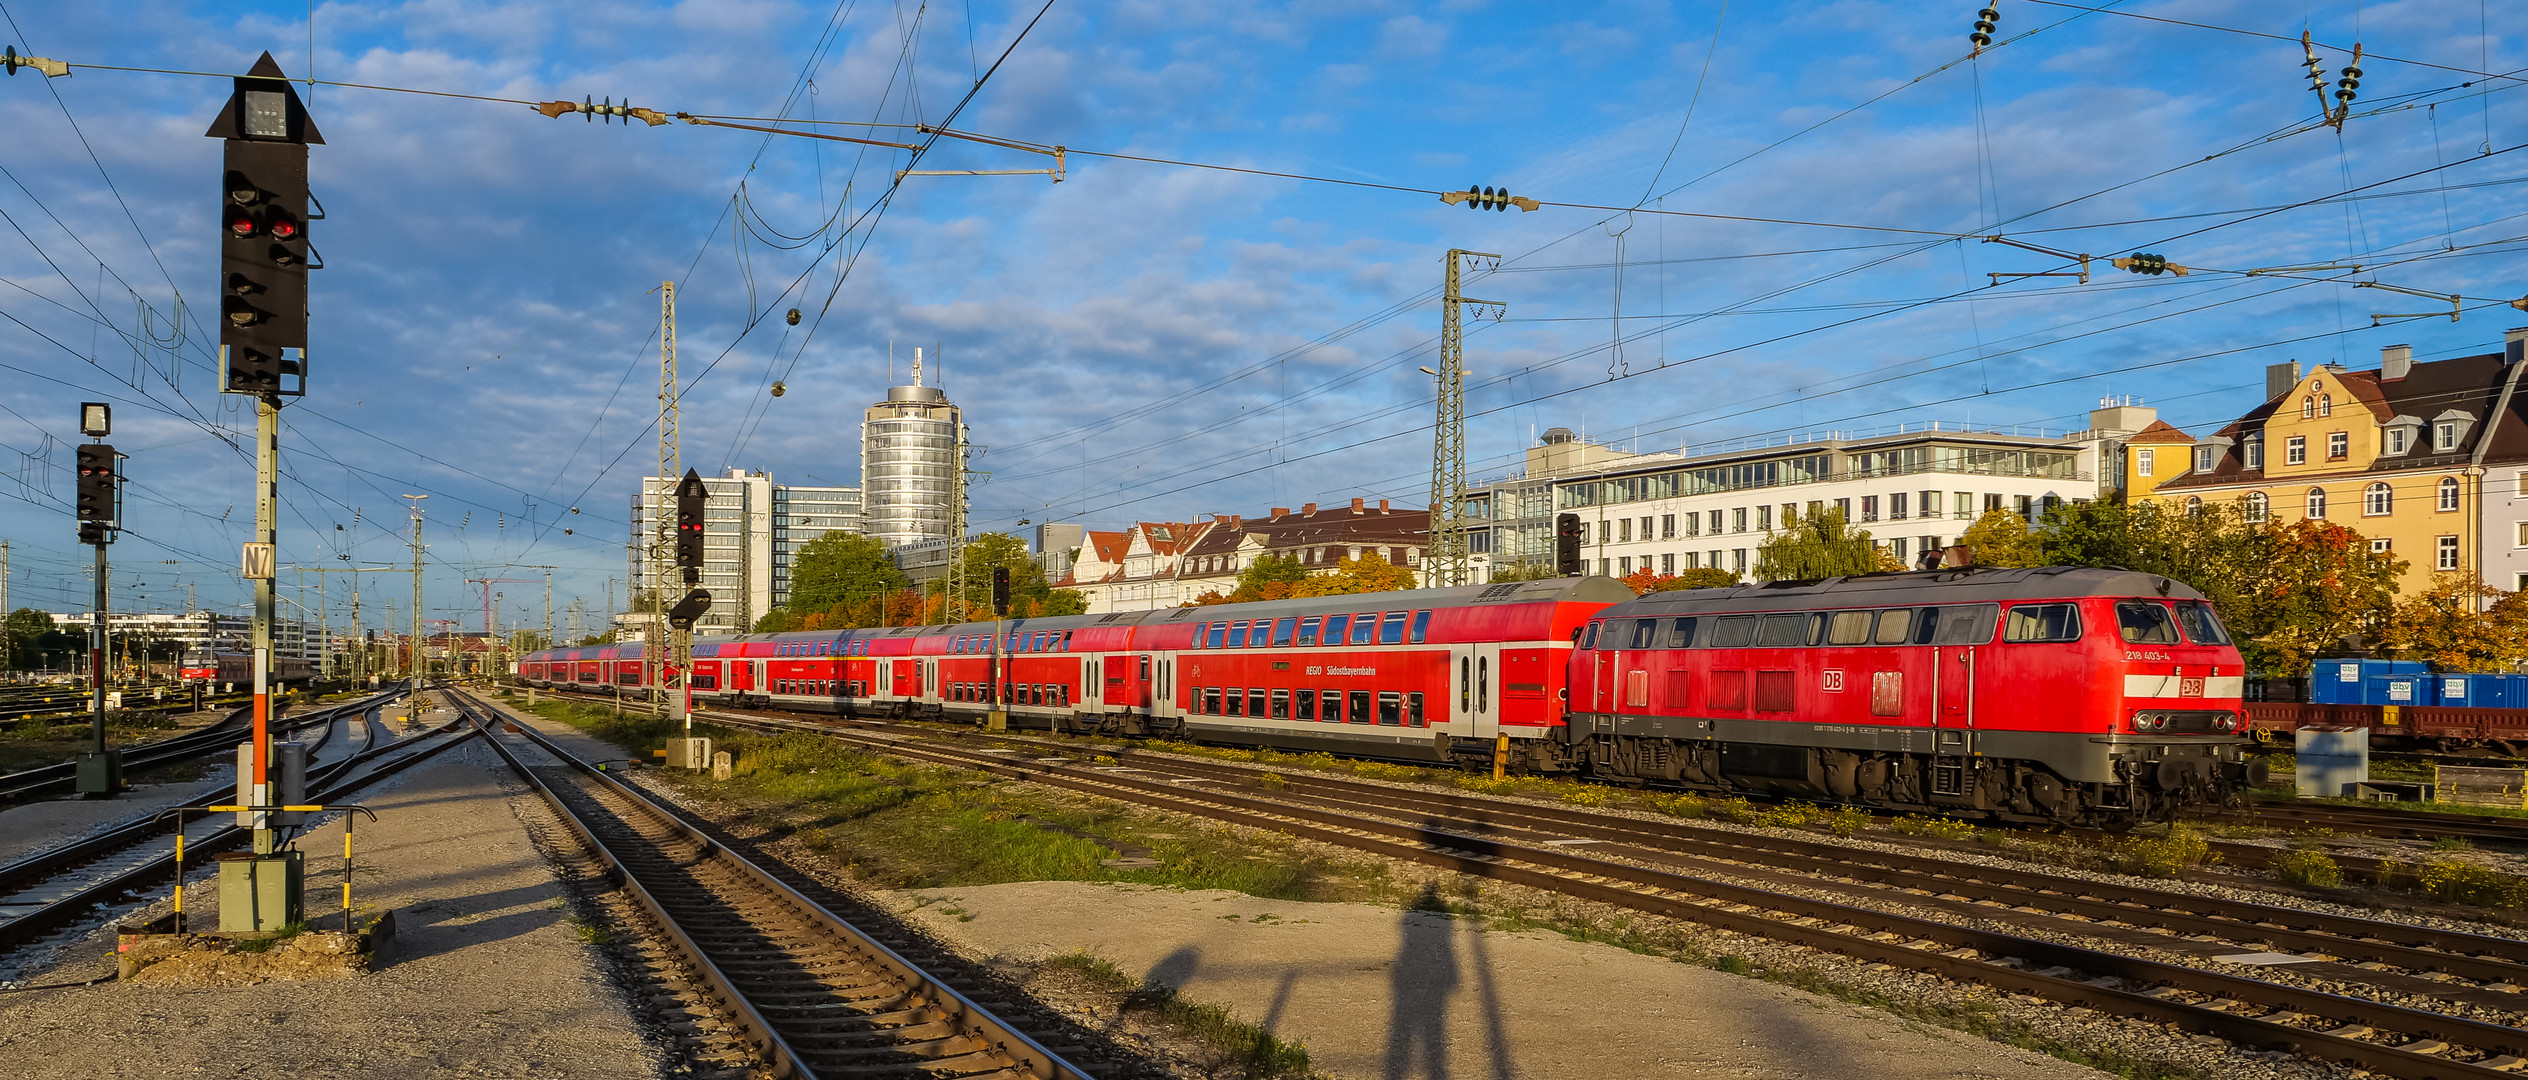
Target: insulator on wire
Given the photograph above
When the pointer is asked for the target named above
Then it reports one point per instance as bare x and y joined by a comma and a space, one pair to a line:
1985, 22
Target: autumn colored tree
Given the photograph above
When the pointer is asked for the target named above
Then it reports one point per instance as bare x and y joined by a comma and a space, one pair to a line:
1367, 574
2451, 627
2315, 582
1818, 544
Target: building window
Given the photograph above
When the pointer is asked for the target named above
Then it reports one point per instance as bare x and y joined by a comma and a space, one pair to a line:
1693, 560
2448, 493
2523, 535
1764, 518
1693, 524
1606, 532
1896, 508
1992, 502
2445, 437
1624, 530
2255, 452
1738, 520
2308, 407
2381, 546
1624, 566
1667, 526
2145, 460
2256, 507
1869, 508
2317, 503
2338, 445
2296, 451
1645, 526
2448, 553
1606, 568
1898, 545
1843, 509
2396, 440
1738, 561
2194, 505
1962, 504
2203, 459
2377, 501
1716, 526
2325, 404
1667, 564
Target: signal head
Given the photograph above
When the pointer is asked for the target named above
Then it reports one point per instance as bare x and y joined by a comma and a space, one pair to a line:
242, 223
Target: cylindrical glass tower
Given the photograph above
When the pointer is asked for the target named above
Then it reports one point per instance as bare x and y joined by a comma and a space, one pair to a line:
912, 447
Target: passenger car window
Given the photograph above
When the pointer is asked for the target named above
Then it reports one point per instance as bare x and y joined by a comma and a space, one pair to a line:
2202, 626
2042, 622
1364, 627
1334, 625
1237, 635
1894, 626
1733, 631
2145, 623
1421, 625
1308, 631
1282, 631
1391, 631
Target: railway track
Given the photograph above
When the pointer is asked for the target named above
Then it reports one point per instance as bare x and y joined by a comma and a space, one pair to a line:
62, 776
816, 996
2399, 824
1643, 870
62, 885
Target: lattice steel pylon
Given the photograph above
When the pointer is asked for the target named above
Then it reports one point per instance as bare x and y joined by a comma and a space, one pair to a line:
1447, 563
662, 550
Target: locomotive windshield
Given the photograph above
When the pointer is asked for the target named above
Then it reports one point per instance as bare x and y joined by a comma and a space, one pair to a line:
2202, 626
2145, 623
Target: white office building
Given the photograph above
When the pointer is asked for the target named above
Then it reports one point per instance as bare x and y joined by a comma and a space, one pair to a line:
912, 456
752, 528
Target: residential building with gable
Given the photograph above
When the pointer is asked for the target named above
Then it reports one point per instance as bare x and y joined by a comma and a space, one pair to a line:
2428, 460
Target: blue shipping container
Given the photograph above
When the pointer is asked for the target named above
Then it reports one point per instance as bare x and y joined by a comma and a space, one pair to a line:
2336, 682
2397, 690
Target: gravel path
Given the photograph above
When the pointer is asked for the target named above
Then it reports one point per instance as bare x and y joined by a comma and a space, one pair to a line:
489, 980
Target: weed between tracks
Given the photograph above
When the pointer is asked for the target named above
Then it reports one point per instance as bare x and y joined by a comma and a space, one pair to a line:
1256, 1052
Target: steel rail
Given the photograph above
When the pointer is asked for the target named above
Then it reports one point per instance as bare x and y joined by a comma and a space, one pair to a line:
1878, 936
1019, 1054
54, 914
2474, 956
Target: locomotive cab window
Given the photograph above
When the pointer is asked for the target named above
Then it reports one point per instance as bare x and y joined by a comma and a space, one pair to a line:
2145, 623
2042, 622
1970, 624
2202, 626
1926, 625
1588, 636
1733, 631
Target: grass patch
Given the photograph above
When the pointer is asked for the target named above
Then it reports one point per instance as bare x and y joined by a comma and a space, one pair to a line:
2303, 866
1936, 828
2457, 881
1231, 1042
266, 944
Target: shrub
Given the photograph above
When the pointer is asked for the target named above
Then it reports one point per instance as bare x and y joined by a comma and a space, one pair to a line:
1273, 781
1847, 820
1788, 816
1685, 804
1936, 828
1486, 785
2163, 857
1736, 809
2307, 867
2457, 881
1588, 795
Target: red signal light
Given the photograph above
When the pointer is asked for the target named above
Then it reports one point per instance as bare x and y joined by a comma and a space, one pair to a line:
284, 229
241, 222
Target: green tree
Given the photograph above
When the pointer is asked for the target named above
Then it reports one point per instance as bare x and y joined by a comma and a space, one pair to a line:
19, 648
2001, 538
2316, 583
839, 567
2450, 626
1029, 592
1818, 544
1271, 568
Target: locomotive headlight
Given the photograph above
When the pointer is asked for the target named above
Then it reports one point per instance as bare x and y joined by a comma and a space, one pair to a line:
2149, 721
2225, 723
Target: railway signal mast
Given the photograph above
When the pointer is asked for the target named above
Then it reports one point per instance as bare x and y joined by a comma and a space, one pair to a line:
691, 499
100, 498
264, 259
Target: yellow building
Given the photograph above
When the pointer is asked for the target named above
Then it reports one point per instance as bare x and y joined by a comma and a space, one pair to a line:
2403, 455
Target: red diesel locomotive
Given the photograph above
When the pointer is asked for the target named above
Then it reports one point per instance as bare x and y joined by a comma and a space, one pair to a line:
2054, 694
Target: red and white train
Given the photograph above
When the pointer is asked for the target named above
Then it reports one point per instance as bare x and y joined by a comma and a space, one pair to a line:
2051, 694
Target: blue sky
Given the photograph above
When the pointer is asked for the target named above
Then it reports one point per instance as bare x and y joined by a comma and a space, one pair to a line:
1161, 342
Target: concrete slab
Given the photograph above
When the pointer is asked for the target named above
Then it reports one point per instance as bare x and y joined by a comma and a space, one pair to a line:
1377, 992
489, 980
